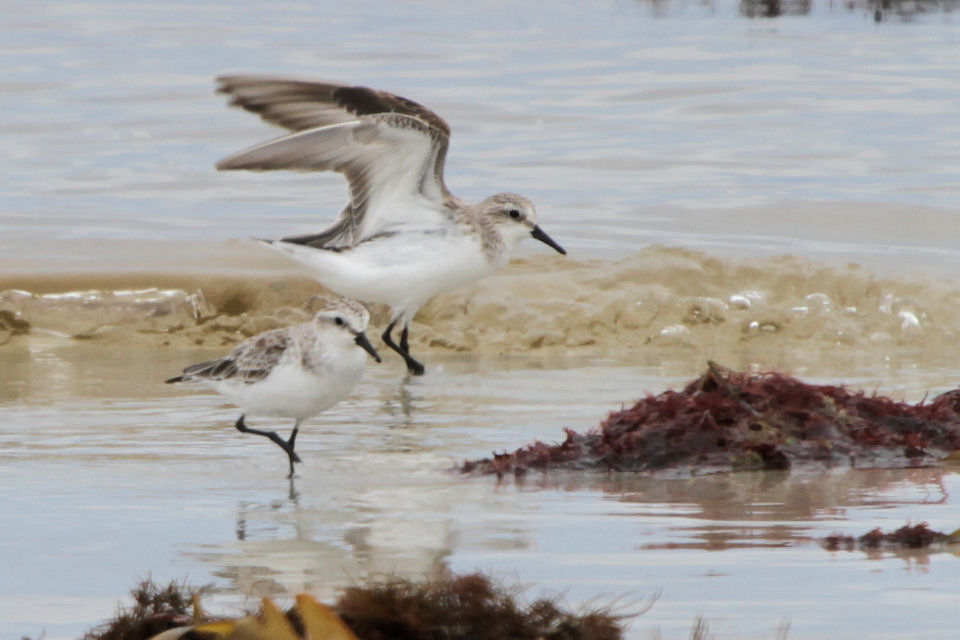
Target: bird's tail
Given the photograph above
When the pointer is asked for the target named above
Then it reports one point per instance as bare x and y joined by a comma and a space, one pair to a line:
213, 369
302, 252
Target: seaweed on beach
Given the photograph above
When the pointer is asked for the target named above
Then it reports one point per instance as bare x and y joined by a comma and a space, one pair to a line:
464, 607
729, 421
450, 606
903, 9
917, 536
155, 609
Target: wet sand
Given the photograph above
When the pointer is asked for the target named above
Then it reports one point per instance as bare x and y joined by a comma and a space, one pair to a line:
727, 309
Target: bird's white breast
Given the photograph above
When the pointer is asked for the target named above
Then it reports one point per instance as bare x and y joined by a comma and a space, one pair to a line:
292, 390
404, 268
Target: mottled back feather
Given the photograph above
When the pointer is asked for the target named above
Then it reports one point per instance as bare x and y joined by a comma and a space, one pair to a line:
249, 362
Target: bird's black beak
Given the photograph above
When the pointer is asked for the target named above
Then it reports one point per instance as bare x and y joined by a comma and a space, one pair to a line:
542, 236
364, 344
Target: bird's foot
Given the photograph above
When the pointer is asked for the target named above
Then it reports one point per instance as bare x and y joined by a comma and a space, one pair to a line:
414, 367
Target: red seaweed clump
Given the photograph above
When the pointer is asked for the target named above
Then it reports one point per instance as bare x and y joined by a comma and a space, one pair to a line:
727, 420
917, 536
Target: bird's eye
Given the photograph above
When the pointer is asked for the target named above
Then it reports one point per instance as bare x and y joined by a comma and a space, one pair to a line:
338, 321
513, 213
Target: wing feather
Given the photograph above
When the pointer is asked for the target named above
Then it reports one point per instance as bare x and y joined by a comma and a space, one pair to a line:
391, 150
386, 158
249, 362
297, 104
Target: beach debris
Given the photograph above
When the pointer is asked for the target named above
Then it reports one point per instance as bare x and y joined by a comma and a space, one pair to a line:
916, 536
309, 619
734, 421
12, 323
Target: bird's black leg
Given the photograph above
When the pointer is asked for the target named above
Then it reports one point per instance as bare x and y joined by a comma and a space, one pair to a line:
280, 442
414, 367
293, 434
403, 340
387, 339
290, 442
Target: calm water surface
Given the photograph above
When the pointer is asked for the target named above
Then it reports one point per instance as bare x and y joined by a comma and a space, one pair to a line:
627, 124
826, 136
103, 484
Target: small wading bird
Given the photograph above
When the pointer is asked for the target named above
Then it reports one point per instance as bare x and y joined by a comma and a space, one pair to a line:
295, 372
403, 237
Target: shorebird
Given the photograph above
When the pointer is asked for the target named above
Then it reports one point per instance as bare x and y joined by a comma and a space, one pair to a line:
295, 372
403, 237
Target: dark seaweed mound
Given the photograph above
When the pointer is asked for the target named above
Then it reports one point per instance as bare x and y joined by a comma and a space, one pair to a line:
466, 607
449, 607
727, 421
155, 609
916, 536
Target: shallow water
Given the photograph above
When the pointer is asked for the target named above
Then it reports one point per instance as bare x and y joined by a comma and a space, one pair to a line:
732, 141
109, 476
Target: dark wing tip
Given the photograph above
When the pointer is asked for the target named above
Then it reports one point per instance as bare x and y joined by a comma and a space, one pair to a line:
175, 379
228, 83
364, 101
229, 164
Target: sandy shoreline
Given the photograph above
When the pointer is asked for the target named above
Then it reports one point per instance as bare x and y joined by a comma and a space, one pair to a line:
679, 301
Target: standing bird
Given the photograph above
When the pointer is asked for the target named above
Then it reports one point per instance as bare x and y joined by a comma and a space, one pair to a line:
403, 237
295, 372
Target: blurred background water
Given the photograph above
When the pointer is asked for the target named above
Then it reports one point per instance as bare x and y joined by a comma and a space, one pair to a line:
627, 123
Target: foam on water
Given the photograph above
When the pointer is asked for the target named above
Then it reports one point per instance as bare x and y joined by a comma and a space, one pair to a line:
667, 298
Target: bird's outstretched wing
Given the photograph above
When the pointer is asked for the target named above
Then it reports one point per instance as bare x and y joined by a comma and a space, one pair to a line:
392, 150
249, 362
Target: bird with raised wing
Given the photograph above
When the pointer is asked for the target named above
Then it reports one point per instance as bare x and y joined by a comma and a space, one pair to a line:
403, 237
295, 372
